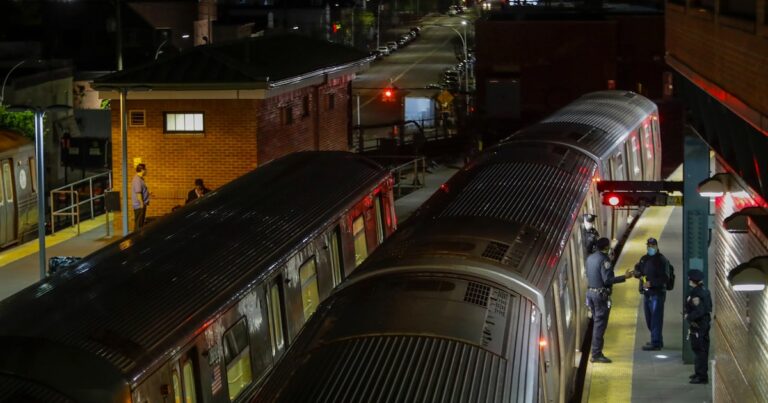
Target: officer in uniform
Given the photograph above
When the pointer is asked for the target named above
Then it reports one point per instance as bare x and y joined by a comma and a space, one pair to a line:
589, 235
698, 307
652, 270
600, 281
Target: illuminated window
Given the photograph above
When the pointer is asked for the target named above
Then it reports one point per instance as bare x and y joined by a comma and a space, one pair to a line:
190, 392
237, 357
361, 245
184, 122
310, 295
275, 317
176, 387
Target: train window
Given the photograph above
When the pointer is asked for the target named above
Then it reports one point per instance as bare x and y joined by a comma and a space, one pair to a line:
237, 357
635, 156
309, 292
33, 174
2, 194
176, 386
190, 391
361, 244
8, 181
276, 316
336, 266
379, 220
618, 171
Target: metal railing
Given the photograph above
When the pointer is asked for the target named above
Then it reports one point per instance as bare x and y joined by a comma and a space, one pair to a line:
409, 172
81, 197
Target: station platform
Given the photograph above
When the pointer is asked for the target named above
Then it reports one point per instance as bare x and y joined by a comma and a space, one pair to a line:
646, 376
19, 266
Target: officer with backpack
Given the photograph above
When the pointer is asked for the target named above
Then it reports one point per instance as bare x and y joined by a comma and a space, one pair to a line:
654, 270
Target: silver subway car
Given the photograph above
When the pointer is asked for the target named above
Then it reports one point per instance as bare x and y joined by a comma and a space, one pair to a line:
18, 188
199, 306
479, 296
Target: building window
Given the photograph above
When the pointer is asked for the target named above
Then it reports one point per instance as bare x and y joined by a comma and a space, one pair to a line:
331, 101
305, 106
237, 357
137, 118
286, 114
187, 122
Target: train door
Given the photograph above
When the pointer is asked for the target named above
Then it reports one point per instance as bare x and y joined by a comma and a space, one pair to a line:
185, 378
8, 229
335, 252
277, 329
550, 351
618, 173
649, 149
565, 317
378, 206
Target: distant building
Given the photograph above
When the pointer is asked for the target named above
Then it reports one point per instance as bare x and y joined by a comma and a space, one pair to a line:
216, 112
533, 60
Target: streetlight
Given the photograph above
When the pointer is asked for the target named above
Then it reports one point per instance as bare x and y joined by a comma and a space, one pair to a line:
378, 23
2, 91
40, 156
466, 58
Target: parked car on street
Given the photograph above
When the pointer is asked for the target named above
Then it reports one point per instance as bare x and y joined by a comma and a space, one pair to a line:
384, 50
392, 45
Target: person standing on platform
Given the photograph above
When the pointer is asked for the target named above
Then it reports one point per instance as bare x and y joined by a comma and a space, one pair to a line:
589, 234
698, 308
140, 196
600, 281
199, 191
653, 269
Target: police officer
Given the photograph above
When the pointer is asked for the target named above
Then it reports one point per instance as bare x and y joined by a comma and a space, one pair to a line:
589, 234
698, 307
653, 269
600, 281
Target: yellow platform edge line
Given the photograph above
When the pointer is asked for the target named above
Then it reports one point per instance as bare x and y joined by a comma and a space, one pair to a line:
612, 383
30, 248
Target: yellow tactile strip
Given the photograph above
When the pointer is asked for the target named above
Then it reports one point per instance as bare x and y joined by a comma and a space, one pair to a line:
613, 382
21, 251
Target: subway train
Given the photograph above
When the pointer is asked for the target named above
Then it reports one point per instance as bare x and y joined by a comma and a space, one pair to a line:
198, 306
479, 297
18, 189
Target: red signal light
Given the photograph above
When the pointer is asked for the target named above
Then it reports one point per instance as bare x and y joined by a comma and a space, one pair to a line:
388, 94
614, 200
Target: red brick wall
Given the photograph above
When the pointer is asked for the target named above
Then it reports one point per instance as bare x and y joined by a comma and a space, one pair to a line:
239, 135
225, 151
323, 129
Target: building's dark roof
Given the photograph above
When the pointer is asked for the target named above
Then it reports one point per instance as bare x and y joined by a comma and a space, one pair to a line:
253, 61
10, 139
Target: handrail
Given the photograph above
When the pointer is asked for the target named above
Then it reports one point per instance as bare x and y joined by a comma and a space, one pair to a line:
414, 169
73, 209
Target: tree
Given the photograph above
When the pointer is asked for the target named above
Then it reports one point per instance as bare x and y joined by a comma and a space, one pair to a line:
22, 122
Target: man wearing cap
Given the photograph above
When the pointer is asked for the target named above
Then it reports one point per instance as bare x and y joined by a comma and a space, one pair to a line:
589, 234
600, 281
698, 307
653, 271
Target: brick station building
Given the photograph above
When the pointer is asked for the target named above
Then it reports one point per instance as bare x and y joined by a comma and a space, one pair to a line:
218, 111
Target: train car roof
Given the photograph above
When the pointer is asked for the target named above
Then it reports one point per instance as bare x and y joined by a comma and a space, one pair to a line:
10, 140
596, 122
512, 207
130, 302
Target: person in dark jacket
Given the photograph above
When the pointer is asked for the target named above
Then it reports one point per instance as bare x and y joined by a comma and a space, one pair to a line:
653, 271
199, 191
600, 281
698, 308
589, 234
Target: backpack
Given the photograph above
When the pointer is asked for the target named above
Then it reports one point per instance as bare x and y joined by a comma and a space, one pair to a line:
671, 277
